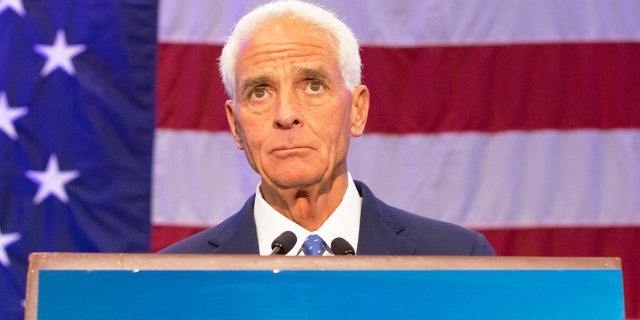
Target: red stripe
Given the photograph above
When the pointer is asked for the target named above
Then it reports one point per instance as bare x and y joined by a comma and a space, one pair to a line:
565, 242
497, 88
190, 93
164, 235
440, 89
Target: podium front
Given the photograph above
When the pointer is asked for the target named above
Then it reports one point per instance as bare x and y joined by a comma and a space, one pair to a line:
173, 286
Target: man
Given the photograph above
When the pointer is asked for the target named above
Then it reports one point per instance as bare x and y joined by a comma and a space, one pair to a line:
292, 71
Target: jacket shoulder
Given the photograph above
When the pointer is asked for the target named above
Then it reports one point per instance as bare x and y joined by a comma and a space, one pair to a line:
435, 237
426, 235
209, 240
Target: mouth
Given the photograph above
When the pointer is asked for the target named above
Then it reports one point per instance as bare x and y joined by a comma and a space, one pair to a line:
281, 148
290, 150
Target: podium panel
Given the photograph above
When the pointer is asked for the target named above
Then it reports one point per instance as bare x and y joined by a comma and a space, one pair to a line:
249, 287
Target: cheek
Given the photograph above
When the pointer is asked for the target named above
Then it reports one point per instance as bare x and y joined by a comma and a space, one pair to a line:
252, 131
337, 129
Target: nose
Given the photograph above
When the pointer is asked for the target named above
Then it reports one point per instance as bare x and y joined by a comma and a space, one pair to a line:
287, 112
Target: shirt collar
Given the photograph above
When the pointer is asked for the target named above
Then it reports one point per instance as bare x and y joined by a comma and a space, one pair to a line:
343, 222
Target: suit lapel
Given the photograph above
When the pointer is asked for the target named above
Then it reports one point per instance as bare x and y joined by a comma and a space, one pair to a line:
380, 234
239, 236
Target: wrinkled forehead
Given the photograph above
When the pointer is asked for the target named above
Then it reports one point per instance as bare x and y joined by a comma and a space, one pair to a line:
301, 48
287, 22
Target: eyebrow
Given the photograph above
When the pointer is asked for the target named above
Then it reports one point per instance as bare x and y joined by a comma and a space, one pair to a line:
311, 73
254, 82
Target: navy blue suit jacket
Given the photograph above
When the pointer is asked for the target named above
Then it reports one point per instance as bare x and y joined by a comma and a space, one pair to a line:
384, 230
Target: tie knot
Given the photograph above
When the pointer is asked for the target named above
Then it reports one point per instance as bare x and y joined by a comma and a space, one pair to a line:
313, 245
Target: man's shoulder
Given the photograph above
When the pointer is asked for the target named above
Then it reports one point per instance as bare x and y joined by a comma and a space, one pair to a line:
433, 236
429, 236
200, 242
428, 227
207, 241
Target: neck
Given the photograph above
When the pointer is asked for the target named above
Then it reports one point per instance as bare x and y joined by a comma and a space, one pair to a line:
309, 207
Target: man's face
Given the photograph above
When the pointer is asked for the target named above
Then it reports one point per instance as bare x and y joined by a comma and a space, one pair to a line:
291, 112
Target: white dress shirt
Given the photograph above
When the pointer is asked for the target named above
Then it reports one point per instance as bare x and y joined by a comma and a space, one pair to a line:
343, 222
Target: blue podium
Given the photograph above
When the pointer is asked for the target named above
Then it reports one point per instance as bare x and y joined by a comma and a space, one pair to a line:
152, 286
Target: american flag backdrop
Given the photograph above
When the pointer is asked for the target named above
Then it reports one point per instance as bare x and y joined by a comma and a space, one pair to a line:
514, 117
517, 118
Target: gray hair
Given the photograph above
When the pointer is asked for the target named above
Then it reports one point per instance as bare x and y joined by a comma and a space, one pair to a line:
347, 49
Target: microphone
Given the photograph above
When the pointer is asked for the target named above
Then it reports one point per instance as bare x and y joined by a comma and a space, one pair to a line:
283, 243
341, 247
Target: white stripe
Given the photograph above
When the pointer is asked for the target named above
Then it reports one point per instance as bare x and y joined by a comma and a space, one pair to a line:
198, 178
427, 22
509, 179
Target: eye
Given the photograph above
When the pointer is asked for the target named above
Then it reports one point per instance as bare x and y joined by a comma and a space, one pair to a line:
259, 93
315, 87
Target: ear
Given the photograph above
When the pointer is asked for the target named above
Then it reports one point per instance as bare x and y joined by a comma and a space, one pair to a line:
359, 110
233, 125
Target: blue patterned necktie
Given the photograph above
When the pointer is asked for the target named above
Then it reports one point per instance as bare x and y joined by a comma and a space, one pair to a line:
313, 245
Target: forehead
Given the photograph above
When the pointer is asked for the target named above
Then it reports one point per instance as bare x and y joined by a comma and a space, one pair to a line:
289, 39
291, 26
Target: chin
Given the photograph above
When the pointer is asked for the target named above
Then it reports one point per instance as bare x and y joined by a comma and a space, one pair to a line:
297, 173
292, 180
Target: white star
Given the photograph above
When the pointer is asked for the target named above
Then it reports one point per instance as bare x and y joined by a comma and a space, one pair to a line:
52, 181
16, 5
59, 54
8, 115
6, 240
